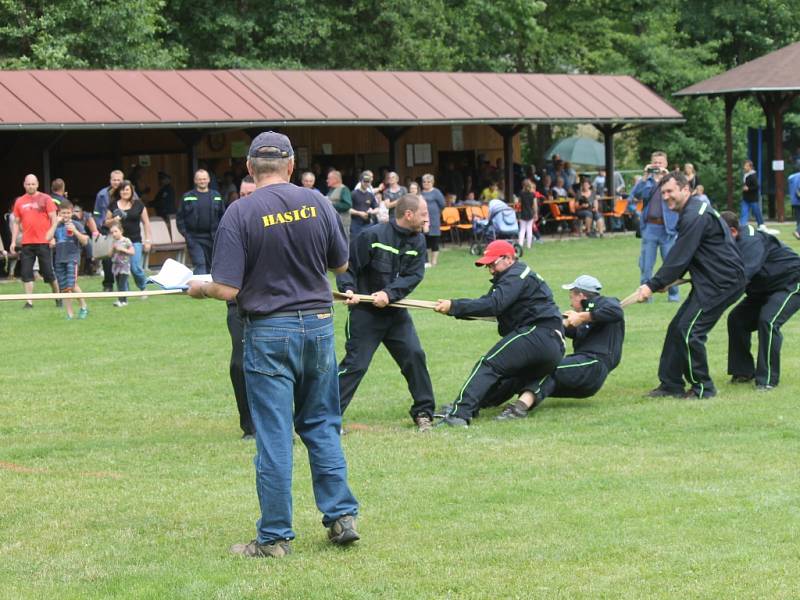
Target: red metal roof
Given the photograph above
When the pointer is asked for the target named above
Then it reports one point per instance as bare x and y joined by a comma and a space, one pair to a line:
773, 72
154, 99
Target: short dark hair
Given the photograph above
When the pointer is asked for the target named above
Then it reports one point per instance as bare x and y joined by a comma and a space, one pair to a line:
57, 185
680, 179
407, 202
65, 204
730, 218
247, 179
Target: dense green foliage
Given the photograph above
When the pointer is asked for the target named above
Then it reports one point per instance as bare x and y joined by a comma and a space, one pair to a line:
122, 474
667, 45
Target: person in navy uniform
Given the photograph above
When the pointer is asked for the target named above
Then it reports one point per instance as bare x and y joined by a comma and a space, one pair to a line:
272, 253
772, 270
198, 217
528, 320
707, 250
387, 261
596, 325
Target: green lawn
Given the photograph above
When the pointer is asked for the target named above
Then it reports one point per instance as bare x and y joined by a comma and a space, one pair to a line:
122, 473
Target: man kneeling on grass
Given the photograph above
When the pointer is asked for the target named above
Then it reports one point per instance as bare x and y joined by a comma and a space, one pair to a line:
596, 325
529, 321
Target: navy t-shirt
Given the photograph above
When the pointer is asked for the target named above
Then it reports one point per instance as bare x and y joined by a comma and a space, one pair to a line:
276, 248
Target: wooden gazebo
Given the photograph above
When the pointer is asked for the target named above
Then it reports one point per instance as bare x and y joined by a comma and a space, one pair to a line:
774, 80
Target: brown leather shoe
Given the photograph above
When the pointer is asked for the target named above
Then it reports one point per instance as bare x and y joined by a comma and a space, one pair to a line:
256, 550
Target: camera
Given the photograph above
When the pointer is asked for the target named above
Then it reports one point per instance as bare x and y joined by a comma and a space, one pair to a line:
654, 170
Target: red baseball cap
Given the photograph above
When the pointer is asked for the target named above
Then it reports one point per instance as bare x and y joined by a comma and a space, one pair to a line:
495, 250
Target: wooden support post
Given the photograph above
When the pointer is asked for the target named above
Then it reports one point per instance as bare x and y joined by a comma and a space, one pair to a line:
392, 135
730, 103
508, 132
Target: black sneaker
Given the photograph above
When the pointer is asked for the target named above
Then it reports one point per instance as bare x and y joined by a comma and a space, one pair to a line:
256, 550
27, 305
453, 422
443, 411
741, 379
343, 531
764, 388
660, 392
515, 410
59, 303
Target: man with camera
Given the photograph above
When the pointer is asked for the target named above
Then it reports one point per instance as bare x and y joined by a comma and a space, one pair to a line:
658, 223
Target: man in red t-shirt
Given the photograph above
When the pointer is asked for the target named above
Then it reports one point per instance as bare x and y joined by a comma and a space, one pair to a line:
36, 212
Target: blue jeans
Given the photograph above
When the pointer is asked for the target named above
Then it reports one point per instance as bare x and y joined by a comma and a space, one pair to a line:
655, 237
751, 207
291, 378
136, 267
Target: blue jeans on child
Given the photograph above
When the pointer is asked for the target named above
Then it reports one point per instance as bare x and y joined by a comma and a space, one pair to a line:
654, 237
290, 372
751, 207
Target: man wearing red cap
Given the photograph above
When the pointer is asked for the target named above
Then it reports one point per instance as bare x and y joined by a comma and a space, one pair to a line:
528, 320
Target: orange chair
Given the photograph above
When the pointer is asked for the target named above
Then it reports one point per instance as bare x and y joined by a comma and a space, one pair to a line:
465, 224
450, 221
484, 208
555, 212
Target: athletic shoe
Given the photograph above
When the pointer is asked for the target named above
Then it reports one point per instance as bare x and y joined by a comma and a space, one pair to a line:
428, 265
83, 313
256, 550
119, 303
796, 234
453, 422
660, 392
27, 305
514, 410
144, 297
741, 379
424, 423
69, 317
343, 531
248, 436
692, 394
59, 303
764, 388
443, 411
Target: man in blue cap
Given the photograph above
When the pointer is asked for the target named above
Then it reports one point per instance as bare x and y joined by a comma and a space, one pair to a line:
272, 254
596, 325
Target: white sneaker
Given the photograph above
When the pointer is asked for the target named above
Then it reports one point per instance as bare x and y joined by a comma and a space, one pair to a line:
143, 297
428, 265
119, 303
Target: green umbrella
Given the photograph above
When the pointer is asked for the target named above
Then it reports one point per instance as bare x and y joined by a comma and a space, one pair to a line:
579, 150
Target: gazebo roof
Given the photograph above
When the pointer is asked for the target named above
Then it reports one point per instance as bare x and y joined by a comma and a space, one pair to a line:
241, 98
777, 71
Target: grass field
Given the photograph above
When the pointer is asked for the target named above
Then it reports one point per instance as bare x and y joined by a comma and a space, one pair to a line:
122, 473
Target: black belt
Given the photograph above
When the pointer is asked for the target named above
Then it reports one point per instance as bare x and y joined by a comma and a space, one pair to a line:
288, 313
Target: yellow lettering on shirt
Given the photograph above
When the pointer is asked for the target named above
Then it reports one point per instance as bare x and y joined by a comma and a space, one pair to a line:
290, 216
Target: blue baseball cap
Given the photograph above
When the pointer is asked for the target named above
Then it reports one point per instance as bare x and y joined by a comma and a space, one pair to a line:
271, 144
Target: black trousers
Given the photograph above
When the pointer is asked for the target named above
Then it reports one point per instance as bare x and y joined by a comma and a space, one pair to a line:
683, 356
108, 276
525, 354
236, 329
576, 376
366, 329
201, 250
765, 314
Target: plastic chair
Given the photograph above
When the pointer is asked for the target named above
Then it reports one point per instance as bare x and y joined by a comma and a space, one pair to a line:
555, 212
450, 221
